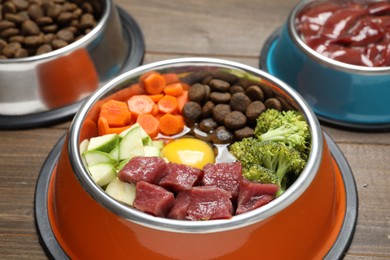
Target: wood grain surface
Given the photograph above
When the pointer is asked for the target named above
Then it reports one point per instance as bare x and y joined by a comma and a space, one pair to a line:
229, 29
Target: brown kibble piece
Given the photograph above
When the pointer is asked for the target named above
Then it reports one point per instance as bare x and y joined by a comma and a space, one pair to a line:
207, 109
9, 32
273, 103
66, 35
3, 57
77, 13
254, 110
20, 53
6, 24
35, 11
57, 44
44, 20
50, 28
220, 111
20, 4
236, 89
11, 48
45, 48
207, 125
69, 7
222, 136
220, 97
30, 28
239, 102
3, 43
255, 93
48, 38
235, 120
197, 93
191, 112
53, 10
87, 21
219, 85
87, 7
33, 41
9, 7
17, 38
243, 133
14, 18
65, 17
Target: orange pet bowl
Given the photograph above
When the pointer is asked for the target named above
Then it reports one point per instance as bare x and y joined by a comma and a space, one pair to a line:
313, 219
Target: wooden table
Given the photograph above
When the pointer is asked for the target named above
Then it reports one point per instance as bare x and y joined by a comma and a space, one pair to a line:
230, 29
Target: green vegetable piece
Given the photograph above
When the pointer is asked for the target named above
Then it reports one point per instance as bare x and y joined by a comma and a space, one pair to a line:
102, 173
104, 143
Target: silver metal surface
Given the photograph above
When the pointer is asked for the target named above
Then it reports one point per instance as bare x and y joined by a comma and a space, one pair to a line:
27, 84
181, 66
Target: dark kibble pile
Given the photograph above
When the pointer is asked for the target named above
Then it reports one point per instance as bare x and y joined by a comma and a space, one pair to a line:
226, 107
34, 27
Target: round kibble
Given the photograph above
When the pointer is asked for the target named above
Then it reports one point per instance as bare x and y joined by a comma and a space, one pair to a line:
10, 49
221, 136
254, 92
235, 120
35, 23
219, 85
225, 76
207, 125
244, 132
192, 112
207, 109
197, 93
239, 102
267, 90
29, 27
220, 97
66, 35
220, 111
20, 53
35, 11
273, 103
236, 89
254, 110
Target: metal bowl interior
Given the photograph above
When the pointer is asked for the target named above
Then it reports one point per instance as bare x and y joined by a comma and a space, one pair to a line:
64, 76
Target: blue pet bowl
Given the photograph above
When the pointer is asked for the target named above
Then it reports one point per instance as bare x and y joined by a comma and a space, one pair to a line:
341, 94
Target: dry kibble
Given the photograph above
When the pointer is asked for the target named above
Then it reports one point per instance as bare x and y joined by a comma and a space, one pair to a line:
57, 44
11, 48
30, 27
66, 35
45, 48
21, 53
6, 24
9, 32
34, 27
35, 11
20, 4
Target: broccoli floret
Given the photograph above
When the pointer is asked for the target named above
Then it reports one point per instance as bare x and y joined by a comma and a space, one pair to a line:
288, 127
258, 173
267, 162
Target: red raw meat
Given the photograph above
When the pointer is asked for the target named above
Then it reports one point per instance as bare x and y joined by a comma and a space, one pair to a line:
209, 202
153, 199
179, 209
180, 177
226, 176
149, 169
253, 195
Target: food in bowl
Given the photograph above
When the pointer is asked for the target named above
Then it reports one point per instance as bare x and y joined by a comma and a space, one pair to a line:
354, 32
154, 152
30, 28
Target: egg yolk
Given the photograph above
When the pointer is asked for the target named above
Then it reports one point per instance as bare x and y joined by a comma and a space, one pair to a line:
189, 151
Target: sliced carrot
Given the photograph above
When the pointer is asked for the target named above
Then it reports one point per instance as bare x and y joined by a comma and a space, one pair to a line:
171, 78
174, 89
171, 124
156, 97
154, 83
126, 93
149, 123
155, 110
168, 104
140, 104
104, 128
182, 100
116, 112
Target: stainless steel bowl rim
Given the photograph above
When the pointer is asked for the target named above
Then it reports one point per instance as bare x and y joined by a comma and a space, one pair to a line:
80, 43
182, 226
341, 66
